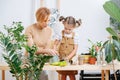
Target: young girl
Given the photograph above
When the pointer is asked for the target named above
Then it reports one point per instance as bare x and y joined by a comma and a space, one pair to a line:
68, 41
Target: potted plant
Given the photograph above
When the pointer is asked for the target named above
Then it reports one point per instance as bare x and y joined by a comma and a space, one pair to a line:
111, 47
13, 42
93, 53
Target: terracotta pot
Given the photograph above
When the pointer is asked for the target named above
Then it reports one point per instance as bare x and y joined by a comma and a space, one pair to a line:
92, 60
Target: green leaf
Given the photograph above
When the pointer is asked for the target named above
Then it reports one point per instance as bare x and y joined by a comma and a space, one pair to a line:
108, 58
12, 71
6, 40
113, 53
115, 38
9, 46
14, 57
11, 53
117, 47
112, 9
108, 52
111, 31
5, 57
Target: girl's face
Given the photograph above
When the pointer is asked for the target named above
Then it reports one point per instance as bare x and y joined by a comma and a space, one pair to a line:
68, 28
43, 24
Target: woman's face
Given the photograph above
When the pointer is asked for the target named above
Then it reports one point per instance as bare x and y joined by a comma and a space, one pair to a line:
44, 23
68, 28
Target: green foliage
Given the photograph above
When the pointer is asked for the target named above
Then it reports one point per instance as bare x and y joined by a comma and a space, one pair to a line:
92, 51
35, 63
111, 31
94, 48
11, 44
112, 50
114, 23
112, 9
112, 46
13, 41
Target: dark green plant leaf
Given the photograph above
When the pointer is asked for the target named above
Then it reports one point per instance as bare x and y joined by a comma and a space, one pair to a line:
104, 45
12, 71
108, 58
9, 46
5, 57
117, 47
115, 37
11, 53
113, 52
108, 52
14, 57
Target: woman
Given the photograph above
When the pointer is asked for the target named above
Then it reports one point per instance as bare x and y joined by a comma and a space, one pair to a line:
39, 34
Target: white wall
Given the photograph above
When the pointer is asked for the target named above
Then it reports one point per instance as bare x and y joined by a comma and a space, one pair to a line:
14, 10
94, 18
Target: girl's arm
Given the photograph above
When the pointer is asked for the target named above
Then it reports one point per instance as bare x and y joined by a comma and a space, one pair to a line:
73, 53
76, 42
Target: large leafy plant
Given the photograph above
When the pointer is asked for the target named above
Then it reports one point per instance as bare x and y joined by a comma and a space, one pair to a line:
13, 42
112, 46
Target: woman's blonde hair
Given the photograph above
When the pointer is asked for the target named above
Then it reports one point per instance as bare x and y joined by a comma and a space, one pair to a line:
42, 13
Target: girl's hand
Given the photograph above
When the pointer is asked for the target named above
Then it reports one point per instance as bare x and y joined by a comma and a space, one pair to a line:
52, 52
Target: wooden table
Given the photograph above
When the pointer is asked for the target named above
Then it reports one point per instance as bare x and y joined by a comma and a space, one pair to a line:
104, 69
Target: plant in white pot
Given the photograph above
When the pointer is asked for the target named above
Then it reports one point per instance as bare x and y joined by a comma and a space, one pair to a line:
12, 42
112, 46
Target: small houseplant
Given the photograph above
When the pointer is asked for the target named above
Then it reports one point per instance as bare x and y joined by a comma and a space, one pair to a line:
111, 47
93, 55
12, 42
93, 50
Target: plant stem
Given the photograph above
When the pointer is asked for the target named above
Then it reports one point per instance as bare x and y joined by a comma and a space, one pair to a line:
114, 70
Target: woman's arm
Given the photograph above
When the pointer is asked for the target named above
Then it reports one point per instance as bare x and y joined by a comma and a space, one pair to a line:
56, 45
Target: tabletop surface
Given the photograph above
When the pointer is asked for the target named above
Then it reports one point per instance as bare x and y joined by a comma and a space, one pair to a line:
4, 66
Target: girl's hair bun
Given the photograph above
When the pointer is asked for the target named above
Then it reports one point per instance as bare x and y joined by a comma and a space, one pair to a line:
78, 22
61, 18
